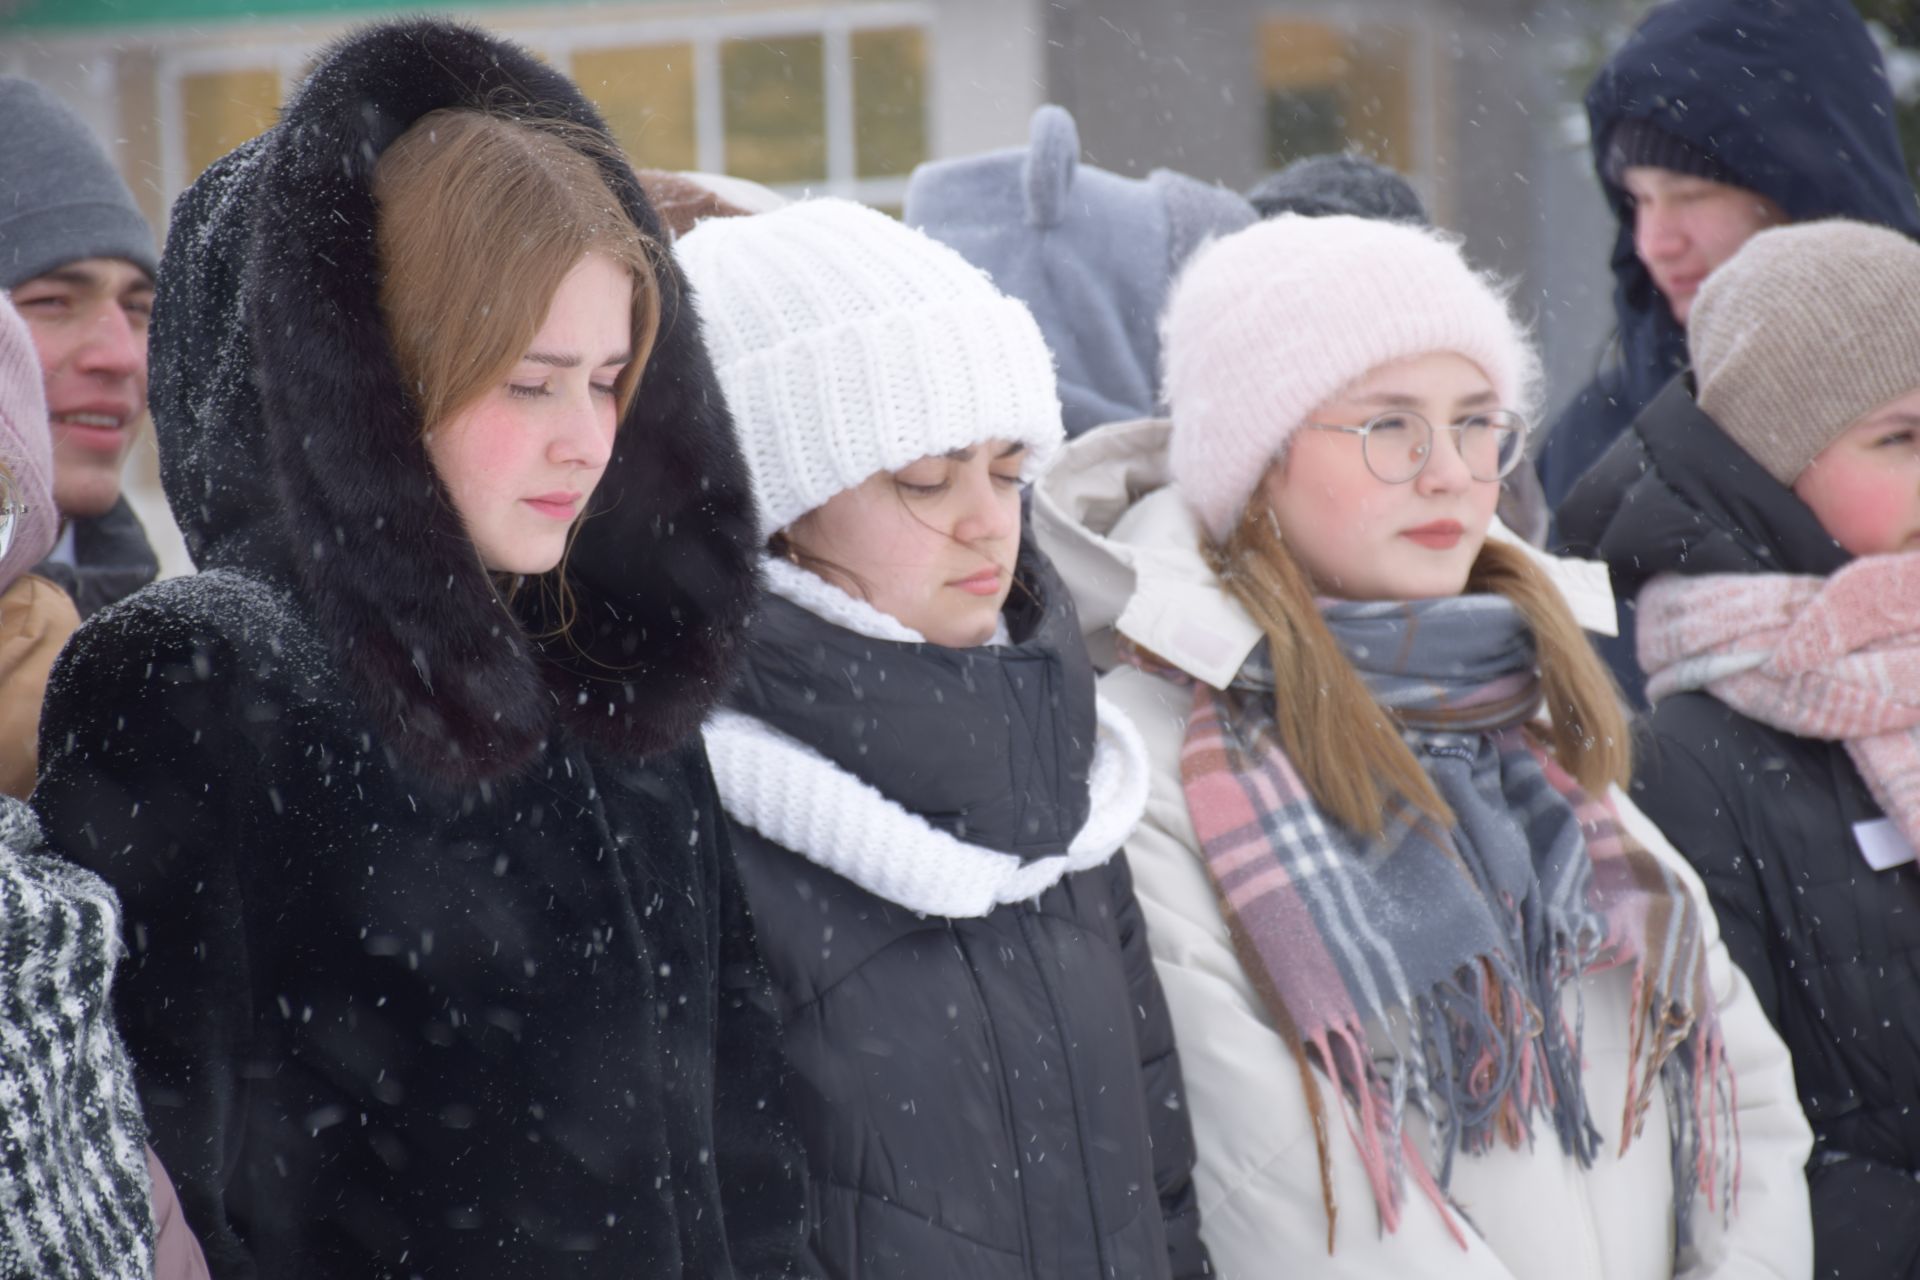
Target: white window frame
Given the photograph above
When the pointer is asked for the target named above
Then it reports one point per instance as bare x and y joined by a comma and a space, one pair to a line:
558, 37
835, 25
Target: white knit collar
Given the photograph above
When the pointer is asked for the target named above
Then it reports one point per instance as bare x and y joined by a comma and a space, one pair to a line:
797, 798
829, 603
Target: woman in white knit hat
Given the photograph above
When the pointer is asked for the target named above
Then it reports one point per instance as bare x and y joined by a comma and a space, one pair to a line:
1447, 1004
928, 800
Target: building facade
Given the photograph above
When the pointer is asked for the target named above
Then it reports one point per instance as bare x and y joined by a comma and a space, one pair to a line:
1476, 100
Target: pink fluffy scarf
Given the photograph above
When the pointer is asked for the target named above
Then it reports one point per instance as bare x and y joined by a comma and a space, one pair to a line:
1835, 658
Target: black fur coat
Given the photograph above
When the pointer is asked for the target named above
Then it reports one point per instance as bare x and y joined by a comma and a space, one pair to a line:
439, 961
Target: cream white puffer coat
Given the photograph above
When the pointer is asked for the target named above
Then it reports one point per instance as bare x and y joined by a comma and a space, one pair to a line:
1129, 551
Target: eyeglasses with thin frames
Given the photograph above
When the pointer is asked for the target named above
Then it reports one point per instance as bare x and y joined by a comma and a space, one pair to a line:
1397, 444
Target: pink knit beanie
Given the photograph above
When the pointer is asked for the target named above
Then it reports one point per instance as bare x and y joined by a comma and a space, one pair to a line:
1270, 322
26, 448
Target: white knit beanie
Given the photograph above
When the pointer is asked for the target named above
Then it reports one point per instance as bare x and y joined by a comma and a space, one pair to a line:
26, 448
1271, 322
848, 344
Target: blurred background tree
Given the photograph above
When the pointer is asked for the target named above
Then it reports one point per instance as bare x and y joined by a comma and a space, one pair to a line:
1897, 24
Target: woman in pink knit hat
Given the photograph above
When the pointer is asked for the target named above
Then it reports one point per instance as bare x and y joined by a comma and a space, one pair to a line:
79, 1192
36, 617
1447, 1004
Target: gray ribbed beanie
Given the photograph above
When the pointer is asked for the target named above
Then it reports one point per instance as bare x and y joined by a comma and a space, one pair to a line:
61, 199
1803, 332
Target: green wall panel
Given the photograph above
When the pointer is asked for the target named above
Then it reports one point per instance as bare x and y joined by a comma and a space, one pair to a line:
41, 15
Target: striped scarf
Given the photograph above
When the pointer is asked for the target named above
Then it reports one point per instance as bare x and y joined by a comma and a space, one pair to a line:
1444, 967
1835, 658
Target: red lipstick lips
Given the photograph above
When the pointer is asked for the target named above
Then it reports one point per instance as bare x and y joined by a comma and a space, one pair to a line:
1441, 535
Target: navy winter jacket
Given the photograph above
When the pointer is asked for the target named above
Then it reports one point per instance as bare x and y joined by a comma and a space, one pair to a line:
1831, 946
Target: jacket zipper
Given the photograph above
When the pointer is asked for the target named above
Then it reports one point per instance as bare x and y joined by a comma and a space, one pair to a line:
1006, 1098
1080, 1123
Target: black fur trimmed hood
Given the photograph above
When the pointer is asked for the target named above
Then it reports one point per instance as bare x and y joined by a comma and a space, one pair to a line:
290, 450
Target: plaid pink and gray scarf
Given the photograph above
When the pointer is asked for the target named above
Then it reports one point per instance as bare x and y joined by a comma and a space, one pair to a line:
1835, 658
1443, 967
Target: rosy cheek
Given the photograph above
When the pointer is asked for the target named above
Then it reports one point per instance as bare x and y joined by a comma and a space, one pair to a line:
1866, 514
1486, 503
1870, 525
496, 453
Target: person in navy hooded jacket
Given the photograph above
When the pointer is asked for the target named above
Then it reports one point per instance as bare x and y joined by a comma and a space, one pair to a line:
1715, 120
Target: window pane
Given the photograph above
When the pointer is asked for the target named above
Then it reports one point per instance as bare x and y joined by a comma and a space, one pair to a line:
646, 94
889, 101
1331, 90
223, 109
774, 97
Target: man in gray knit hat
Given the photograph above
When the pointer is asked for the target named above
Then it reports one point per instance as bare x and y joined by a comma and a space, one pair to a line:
77, 258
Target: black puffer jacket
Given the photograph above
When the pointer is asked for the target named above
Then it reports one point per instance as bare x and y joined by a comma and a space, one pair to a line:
440, 964
1831, 946
988, 1083
1791, 97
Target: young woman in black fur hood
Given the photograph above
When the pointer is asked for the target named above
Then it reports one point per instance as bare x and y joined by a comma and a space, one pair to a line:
439, 961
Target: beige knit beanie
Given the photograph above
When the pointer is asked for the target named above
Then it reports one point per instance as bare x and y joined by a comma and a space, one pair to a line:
1803, 332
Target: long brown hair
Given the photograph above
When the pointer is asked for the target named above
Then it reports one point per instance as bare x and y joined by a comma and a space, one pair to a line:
482, 215
1345, 745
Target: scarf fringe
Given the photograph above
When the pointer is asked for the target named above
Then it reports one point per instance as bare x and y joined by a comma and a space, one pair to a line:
1375, 1123
1523, 1066
1703, 1108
